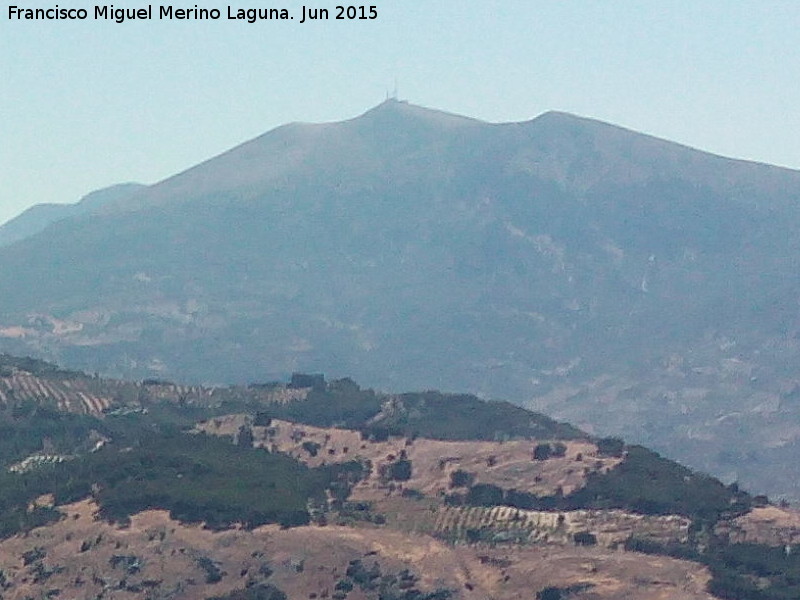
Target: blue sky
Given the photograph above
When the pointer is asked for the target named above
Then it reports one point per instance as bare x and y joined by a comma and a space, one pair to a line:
88, 104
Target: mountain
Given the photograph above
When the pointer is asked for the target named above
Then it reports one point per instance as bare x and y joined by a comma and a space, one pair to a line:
629, 284
36, 218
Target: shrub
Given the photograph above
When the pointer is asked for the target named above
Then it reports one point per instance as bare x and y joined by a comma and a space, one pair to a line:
262, 419
485, 494
311, 447
315, 381
213, 574
244, 437
584, 538
559, 449
412, 493
610, 446
344, 585
400, 470
461, 479
550, 593
542, 452
562, 593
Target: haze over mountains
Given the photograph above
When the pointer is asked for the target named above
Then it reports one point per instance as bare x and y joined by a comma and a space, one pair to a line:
626, 283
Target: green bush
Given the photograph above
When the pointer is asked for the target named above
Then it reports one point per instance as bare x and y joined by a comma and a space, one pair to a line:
610, 447
484, 494
461, 479
311, 447
542, 452
400, 470
584, 538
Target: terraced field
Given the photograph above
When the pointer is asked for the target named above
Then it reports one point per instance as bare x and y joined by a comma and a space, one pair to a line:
83, 394
609, 528
72, 395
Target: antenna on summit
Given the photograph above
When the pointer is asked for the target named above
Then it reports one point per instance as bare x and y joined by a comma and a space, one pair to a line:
394, 92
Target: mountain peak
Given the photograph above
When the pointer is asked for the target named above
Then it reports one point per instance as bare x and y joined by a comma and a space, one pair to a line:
566, 122
399, 110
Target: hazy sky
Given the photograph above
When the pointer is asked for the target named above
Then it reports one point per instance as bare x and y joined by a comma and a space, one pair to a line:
88, 104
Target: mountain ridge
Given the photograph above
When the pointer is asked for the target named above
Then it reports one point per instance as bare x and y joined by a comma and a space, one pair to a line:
394, 109
37, 218
394, 112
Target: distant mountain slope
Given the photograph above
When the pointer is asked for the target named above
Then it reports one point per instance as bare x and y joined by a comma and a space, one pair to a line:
36, 218
633, 285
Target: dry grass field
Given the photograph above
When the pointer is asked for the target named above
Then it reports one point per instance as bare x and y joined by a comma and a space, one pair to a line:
509, 465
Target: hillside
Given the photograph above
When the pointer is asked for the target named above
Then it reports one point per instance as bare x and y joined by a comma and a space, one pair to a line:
328, 562
205, 493
627, 284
